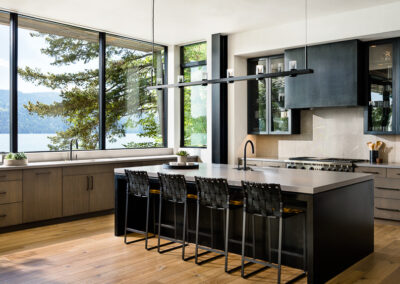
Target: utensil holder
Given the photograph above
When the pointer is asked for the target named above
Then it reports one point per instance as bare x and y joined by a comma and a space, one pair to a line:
373, 155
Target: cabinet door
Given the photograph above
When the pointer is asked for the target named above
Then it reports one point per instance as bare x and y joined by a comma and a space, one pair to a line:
42, 194
102, 192
76, 194
381, 110
336, 81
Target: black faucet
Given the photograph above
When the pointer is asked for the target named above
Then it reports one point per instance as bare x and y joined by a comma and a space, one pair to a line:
70, 147
244, 154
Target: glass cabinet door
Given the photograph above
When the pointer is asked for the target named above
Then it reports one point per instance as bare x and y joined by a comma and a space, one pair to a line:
380, 80
278, 115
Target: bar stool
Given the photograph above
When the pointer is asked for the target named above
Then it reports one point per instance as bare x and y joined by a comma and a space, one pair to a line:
138, 186
265, 200
173, 189
214, 194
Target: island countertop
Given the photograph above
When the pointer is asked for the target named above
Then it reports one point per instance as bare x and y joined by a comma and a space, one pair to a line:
291, 180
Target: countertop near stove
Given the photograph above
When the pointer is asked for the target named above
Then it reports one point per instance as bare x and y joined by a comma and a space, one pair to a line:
299, 181
382, 165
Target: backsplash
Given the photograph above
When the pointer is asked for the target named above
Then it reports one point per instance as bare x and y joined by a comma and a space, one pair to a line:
329, 132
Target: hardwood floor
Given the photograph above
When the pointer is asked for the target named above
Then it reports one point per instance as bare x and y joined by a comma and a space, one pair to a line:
86, 251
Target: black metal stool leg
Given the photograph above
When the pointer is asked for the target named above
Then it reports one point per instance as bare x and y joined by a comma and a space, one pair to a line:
159, 223
197, 233
280, 250
243, 240
126, 215
254, 236
184, 228
226, 239
212, 227
269, 239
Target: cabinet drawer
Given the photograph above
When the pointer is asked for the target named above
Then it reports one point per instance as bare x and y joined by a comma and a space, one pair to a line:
87, 170
10, 191
386, 203
387, 188
377, 172
10, 175
387, 214
274, 165
252, 163
393, 173
10, 214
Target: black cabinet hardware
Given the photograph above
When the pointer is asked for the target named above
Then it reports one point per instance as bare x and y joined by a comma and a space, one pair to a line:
3, 192
43, 173
374, 173
388, 209
3, 216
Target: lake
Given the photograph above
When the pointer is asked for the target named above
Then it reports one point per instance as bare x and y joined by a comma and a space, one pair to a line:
38, 142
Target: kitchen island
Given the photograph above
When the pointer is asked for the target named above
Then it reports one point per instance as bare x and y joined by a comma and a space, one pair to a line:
338, 206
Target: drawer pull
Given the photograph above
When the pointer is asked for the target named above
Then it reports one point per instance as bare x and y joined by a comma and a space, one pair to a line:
43, 173
374, 173
387, 188
274, 166
3, 192
3, 215
3, 176
388, 209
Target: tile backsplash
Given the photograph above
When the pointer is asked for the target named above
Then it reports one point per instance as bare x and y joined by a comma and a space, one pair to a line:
329, 132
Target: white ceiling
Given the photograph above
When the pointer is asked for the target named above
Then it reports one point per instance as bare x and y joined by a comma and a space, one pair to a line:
179, 21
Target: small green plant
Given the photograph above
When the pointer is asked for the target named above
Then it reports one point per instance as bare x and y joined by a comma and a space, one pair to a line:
183, 153
15, 156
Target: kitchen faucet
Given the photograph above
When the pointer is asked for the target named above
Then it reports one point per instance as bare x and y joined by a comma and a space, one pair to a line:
70, 147
244, 154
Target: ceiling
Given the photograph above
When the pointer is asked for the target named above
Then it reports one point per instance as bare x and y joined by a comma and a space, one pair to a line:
180, 21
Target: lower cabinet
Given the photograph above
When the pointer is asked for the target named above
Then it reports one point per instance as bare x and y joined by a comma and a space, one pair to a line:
89, 192
42, 194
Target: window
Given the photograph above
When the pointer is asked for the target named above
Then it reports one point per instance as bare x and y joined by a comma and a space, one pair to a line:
134, 115
57, 86
194, 99
4, 83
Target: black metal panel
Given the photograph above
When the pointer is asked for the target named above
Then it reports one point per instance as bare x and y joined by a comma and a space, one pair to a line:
165, 101
219, 118
102, 91
337, 77
13, 82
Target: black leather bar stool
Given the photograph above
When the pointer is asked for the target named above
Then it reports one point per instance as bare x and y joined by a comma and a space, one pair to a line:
138, 186
214, 194
265, 200
173, 189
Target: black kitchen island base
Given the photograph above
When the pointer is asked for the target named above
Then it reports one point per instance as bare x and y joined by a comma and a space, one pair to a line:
339, 226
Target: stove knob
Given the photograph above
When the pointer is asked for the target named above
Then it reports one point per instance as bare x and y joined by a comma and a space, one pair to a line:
341, 169
303, 168
323, 169
311, 168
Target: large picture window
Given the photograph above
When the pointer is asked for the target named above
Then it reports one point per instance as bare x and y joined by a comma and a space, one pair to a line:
134, 115
57, 86
4, 82
194, 99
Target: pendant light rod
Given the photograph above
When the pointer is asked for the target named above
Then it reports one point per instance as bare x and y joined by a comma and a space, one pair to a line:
152, 46
306, 34
291, 73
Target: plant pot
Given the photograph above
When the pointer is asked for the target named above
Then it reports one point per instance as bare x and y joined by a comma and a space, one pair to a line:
182, 159
15, 163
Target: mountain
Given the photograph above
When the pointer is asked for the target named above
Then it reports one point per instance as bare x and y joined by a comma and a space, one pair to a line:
30, 123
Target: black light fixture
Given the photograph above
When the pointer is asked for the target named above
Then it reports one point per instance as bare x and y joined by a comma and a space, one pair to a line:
229, 77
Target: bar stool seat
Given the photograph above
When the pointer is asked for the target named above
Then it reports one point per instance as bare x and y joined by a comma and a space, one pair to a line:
154, 191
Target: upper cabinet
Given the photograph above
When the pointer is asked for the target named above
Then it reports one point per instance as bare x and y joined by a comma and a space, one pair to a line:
336, 81
266, 100
382, 87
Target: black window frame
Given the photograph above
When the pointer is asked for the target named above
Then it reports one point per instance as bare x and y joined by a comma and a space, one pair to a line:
102, 106
182, 93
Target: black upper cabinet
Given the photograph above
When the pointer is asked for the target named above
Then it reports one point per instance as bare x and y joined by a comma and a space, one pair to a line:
337, 78
266, 100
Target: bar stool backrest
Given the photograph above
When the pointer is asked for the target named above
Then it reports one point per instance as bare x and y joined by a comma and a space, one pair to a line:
212, 192
138, 183
263, 199
173, 187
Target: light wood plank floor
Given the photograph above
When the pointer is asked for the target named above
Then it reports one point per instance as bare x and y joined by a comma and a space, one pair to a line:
86, 251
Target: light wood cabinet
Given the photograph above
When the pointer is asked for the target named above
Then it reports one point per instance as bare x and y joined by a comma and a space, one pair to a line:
89, 192
102, 192
42, 194
10, 191
75, 194
10, 214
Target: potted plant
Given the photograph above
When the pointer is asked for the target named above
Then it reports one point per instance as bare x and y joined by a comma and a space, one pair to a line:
182, 156
15, 159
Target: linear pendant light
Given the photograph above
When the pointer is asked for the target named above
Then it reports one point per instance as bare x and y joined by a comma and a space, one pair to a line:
231, 79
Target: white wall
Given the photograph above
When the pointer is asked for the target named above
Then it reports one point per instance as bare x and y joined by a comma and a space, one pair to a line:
371, 23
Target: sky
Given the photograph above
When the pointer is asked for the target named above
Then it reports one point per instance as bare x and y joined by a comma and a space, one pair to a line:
29, 55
